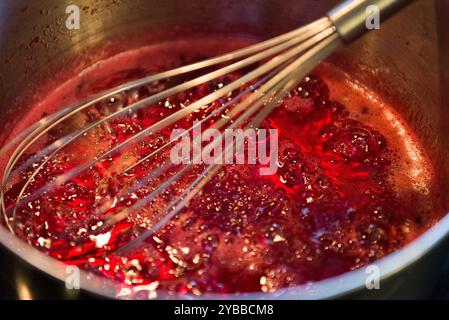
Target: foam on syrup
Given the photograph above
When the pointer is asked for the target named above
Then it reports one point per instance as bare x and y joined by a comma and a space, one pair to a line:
348, 168
411, 172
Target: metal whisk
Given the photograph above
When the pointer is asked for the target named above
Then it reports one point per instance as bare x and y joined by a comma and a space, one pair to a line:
283, 62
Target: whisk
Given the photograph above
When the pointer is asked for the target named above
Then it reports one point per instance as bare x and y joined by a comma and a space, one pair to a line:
282, 61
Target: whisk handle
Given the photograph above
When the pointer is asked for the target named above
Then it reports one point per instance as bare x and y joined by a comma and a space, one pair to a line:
350, 17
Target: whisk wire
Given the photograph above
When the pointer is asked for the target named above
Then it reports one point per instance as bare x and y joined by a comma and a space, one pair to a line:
282, 83
259, 71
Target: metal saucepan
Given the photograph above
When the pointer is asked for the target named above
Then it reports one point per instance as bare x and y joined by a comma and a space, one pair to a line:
407, 60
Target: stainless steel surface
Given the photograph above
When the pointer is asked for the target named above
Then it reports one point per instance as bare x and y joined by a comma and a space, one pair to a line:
350, 16
411, 68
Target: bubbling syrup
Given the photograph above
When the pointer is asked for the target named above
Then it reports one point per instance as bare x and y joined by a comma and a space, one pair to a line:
342, 196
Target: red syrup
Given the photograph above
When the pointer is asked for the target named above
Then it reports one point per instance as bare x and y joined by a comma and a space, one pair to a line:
336, 203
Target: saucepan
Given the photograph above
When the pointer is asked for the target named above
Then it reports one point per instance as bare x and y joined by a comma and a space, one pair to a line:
407, 60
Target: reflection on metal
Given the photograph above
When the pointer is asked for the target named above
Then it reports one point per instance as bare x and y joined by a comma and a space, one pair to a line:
23, 290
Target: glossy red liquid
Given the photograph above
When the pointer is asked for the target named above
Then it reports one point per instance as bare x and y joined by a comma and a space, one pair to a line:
333, 205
